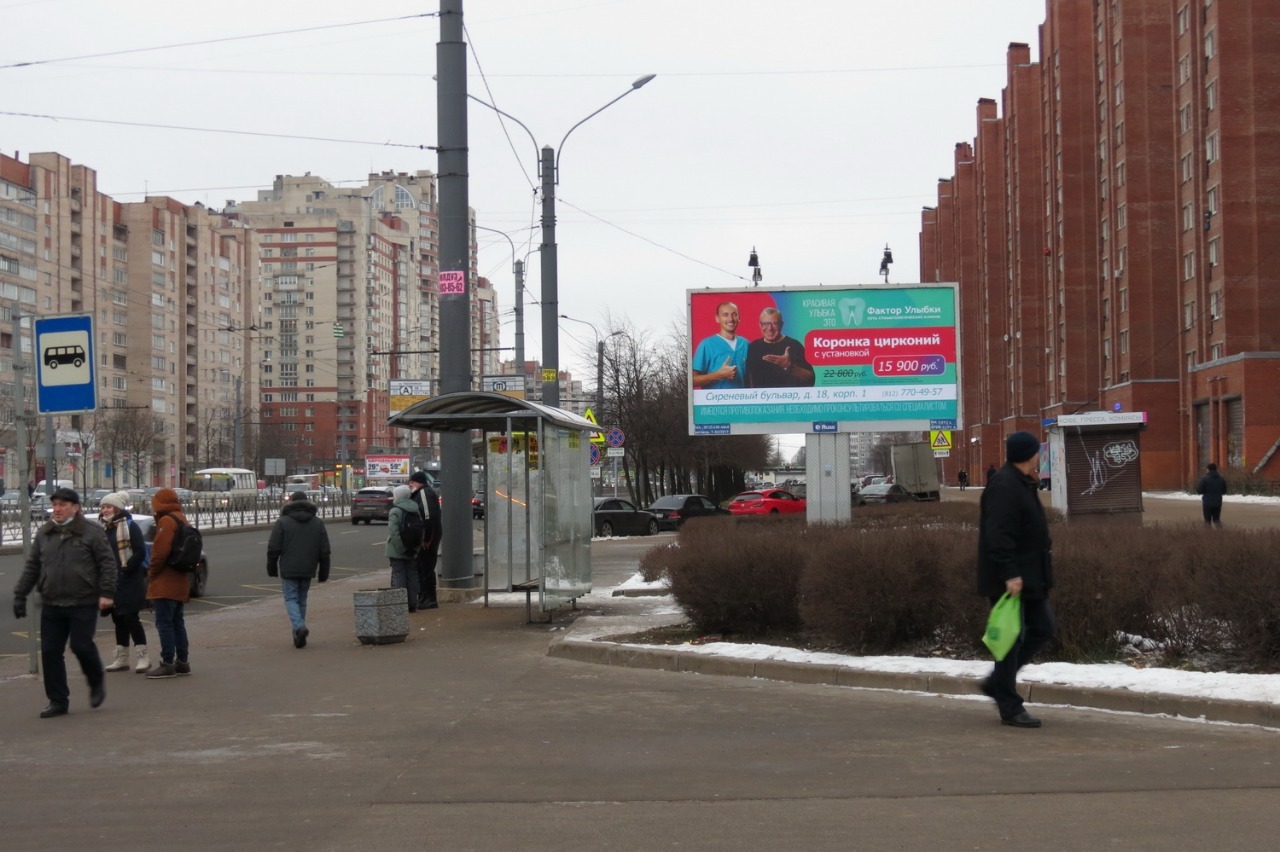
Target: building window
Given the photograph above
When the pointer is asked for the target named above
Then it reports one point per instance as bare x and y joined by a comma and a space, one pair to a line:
1215, 305
1122, 296
1214, 257
1189, 265
1124, 340
1184, 19
1120, 174
1211, 94
1189, 315
1211, 200
1188, 217
1211, 148
1184, 118
1122, 217
1215, 352
1210, 45
1184, 68
1184, 168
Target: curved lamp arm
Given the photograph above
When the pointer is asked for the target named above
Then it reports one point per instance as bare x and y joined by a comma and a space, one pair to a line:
560, 148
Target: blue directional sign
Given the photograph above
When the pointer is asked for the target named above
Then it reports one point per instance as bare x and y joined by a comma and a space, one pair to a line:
66, 376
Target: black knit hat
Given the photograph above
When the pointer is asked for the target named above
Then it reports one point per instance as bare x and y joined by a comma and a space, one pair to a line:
65, 493
298, 496
1021, 446
418, 477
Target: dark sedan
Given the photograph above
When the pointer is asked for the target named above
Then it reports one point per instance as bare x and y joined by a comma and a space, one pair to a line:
614, 516
884, 493
371, 504
674, 509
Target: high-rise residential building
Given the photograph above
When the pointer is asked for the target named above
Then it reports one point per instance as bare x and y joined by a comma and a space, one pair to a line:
162, 281
350, 302
1107, 232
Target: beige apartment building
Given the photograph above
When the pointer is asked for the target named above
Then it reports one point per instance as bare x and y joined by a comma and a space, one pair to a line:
162, 280
350, 304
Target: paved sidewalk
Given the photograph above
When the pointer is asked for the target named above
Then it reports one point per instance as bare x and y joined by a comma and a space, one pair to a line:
471, 736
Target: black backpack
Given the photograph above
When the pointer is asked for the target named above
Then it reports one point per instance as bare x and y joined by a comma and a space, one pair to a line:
187, 549
412, 530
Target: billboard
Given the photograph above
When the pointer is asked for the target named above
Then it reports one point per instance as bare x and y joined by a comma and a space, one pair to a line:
823, 359
387, 467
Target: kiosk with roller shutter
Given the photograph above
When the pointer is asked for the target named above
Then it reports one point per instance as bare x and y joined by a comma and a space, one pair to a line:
1096, 464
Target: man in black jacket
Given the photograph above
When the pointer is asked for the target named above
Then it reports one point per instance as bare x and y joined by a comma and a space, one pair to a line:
429, 504
299, 545
1014, 557
1211, 488
74, 567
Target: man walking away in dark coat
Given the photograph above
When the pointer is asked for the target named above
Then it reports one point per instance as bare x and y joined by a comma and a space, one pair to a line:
991, 472
297, 551
1211, 488
1014, 557
429, 505
74, 567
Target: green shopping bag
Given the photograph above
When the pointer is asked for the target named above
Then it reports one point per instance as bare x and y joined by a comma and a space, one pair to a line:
1003, 626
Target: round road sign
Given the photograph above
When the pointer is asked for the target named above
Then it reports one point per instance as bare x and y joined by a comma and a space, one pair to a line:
615, 437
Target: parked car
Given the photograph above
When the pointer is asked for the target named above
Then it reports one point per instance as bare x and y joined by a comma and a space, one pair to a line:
884, 493
772, 501
147, 525
674, 509
612, 516
39, 505
477, 505
371, 504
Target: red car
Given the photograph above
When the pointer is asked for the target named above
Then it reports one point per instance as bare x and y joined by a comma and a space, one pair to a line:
771, 501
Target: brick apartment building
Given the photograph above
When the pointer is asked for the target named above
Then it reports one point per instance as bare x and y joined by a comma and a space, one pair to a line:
159, 278
270, 329
1113, 229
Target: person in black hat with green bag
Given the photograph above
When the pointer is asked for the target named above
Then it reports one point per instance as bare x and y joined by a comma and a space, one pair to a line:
425, 560
1014, 557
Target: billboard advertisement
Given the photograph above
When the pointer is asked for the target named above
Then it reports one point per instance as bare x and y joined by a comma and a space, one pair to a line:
387, 467
823, 359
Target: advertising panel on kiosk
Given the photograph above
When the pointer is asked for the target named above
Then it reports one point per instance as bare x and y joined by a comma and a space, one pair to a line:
823, 359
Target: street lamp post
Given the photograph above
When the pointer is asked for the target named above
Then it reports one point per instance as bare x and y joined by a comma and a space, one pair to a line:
517, 267
549, 171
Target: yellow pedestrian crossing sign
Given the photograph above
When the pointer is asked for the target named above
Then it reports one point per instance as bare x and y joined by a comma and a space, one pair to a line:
596, 437
940, 440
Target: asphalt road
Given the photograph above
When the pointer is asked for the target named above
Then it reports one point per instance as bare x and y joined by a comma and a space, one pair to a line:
238, 572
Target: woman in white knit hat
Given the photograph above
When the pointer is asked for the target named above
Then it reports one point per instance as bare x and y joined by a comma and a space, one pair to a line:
131, 588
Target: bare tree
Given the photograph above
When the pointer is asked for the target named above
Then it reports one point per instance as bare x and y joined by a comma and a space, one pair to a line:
129, 435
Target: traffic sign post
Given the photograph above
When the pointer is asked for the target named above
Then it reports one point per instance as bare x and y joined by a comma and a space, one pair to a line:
66, 369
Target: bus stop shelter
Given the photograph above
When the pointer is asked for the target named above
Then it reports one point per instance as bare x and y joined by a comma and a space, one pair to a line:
537, 486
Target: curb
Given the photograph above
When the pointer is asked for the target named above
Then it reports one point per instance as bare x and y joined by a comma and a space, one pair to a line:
1117, 700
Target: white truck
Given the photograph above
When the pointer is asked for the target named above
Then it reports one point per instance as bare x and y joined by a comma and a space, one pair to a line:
915, 469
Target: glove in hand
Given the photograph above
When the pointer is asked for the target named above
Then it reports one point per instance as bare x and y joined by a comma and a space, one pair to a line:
20, 609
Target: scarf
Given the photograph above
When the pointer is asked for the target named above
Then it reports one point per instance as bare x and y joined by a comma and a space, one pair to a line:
120, 526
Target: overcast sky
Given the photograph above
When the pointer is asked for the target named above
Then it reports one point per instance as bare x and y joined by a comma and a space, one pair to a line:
813, 130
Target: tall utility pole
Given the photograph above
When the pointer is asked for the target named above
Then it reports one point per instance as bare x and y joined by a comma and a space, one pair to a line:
550, 283
455, 305
24, 472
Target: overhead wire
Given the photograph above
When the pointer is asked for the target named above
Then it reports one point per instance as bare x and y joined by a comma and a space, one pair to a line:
222, 40
387, 144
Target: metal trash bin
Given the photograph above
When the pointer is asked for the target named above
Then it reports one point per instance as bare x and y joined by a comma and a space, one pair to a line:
382, 616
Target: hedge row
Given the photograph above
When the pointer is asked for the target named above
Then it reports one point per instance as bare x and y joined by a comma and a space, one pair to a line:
901, 580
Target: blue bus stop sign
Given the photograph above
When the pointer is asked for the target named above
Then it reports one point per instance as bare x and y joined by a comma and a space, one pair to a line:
66, 375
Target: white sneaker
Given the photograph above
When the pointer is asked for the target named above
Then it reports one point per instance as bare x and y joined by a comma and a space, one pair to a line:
144, 662
121, 661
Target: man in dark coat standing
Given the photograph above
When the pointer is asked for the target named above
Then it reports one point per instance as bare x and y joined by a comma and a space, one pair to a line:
297, 550
1211, 488
429, 505
1014, 557
74, 568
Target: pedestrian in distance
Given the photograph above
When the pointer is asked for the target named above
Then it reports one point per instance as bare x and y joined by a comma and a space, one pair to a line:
1211, 488
429, 506
168, 589
71, 564
991, 472
1014, 557
297, 553
403, 554
130, 549
963, 477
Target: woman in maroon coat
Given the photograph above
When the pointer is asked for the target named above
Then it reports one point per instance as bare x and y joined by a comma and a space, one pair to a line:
168, 589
